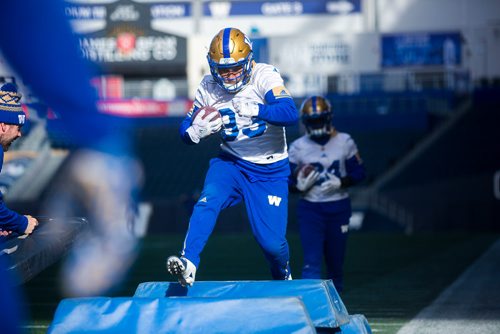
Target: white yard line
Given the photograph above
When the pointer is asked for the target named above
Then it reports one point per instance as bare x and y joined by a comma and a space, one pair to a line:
470, 305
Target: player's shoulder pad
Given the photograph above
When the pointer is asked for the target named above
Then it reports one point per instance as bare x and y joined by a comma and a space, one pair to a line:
301, 142
345, 137
207, 79
265, 69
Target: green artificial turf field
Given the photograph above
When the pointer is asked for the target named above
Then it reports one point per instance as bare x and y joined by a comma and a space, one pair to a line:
388, 277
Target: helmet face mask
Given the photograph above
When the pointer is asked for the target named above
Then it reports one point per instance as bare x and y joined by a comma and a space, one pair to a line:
230, 58
316, 114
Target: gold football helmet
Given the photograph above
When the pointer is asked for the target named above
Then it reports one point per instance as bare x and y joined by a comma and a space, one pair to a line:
316, 114
230, 59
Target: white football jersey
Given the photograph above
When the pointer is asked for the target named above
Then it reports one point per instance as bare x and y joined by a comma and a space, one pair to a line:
250, 139
326, 158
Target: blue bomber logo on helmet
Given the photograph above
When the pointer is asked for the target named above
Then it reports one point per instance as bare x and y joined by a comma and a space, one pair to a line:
11, 111
316, 113
231, 50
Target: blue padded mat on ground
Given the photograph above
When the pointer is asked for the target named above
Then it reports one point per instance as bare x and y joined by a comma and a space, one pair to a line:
357, 325
319, 296
181, 315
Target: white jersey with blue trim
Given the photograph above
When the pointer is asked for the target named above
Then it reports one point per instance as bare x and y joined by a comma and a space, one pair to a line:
328, 158
250, 139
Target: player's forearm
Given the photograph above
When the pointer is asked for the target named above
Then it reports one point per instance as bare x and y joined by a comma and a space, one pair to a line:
292, 179
355, 173
280, 112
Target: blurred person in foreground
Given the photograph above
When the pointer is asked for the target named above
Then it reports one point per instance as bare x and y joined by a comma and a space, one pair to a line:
12, 118
250, 108
101, 175
324, 163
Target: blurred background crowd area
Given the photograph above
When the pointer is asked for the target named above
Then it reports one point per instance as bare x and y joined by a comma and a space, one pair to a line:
415, 83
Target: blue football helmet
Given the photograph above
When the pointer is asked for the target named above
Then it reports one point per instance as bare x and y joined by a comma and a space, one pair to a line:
230, 58
316, 114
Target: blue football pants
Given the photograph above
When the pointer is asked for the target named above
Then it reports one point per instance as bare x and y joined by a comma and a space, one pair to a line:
267, 208
323, 234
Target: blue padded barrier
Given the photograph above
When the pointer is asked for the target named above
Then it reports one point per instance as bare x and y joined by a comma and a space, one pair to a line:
357, 325
181, 315
319, 296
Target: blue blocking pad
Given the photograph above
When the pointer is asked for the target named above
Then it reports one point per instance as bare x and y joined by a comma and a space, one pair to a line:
357, 325
319, 296
181, 315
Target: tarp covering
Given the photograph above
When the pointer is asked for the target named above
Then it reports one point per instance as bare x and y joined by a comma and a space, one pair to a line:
319, 296
181, 315
29, 255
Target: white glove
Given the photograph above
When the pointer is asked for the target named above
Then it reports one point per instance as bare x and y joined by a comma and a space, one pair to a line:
332, 184
246, 108
202, 128
306, 182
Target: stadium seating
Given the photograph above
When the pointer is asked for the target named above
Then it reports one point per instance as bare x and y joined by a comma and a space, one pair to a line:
448, 183
380, 150
172, 167
175, 171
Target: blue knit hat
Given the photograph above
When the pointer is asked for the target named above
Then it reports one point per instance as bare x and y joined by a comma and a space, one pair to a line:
11, 111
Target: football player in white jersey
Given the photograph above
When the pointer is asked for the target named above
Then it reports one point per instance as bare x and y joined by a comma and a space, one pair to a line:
324, 164
253, 165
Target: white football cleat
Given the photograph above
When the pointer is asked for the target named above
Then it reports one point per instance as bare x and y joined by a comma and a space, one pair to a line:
184, 269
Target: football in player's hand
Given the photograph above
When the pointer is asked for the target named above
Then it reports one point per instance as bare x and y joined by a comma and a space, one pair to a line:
208, 111
307, 169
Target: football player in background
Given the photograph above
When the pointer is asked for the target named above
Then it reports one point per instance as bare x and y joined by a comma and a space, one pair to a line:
252, 107
324, 163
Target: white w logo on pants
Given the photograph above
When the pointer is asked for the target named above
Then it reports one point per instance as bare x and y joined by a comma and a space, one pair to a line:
274, 200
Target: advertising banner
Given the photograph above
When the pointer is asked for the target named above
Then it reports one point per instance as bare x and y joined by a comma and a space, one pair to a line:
281, 8
331, 54
140, 108
422, 49
172, 10
118, 37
